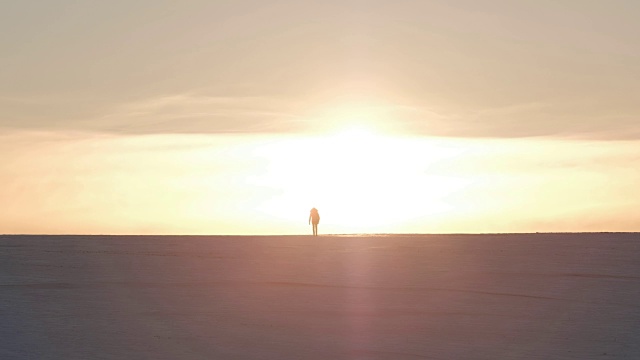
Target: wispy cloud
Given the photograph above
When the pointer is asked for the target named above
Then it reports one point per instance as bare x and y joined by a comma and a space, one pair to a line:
181, 113
196, 113
534, 119
193, 113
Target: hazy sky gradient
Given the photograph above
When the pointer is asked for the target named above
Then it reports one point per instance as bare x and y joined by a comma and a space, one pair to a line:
464, 68
150, 116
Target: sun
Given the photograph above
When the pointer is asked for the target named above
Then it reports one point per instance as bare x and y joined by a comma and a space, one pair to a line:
360, 179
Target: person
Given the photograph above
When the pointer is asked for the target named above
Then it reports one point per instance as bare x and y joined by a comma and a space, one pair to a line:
314, 218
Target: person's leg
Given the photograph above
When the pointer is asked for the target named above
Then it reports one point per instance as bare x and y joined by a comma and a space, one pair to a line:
315, 229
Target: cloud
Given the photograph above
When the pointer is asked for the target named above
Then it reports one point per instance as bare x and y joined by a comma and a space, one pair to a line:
181, 113
193, 113
534, 119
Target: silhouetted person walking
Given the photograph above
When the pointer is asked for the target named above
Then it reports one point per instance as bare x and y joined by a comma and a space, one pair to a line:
314, 218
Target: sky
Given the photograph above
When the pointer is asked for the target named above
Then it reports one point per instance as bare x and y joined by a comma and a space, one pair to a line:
237, 117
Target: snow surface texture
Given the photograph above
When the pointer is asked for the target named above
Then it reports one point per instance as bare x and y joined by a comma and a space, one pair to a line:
538, 296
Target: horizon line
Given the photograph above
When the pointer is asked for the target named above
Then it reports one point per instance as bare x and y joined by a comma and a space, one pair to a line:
339, 235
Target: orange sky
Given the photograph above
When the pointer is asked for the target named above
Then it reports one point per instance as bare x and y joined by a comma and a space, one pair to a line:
361, 181
236, 117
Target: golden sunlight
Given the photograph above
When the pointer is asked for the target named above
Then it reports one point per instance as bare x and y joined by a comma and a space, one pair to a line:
361, 180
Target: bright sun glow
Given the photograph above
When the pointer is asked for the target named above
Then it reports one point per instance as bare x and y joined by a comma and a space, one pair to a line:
360, 180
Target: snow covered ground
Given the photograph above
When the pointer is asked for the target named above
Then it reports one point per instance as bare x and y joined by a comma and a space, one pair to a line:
538, 296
